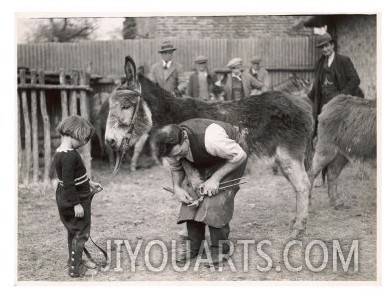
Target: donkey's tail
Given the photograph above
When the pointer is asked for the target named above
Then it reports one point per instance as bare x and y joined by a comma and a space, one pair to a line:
309, 153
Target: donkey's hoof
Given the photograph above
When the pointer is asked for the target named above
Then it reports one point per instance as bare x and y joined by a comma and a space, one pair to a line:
338, 204
133, 168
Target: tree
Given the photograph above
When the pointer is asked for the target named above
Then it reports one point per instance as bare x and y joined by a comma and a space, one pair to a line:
64, 30
129, 28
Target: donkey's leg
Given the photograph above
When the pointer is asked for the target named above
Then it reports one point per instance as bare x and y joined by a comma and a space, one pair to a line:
192, 181
192, 174
154, 152
333, 171
137, 150
292, 167
100, 138
324, 154
110, 155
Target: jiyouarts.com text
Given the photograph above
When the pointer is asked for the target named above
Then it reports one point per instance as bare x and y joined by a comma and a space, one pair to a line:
250, 255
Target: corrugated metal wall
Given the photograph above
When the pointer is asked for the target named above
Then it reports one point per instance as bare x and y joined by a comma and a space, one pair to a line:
280, 55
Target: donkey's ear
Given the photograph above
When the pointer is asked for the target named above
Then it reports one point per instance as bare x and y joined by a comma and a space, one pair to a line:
130, 72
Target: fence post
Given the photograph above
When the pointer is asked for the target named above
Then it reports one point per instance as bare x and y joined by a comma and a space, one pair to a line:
47, 129
35, 138
27, 127
19, 148
84, 112
73, 93
63, 95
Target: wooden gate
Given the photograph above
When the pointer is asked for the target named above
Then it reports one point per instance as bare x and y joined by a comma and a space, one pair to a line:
32, 102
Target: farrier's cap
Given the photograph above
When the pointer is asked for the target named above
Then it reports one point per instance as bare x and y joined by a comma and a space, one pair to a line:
256, 60
323, 39
167, 46
201, 59
235, 62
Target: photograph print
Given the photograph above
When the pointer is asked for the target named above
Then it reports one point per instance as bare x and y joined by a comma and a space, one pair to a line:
197, 148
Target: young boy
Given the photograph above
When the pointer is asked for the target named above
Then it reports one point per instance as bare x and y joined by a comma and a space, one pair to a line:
73, 191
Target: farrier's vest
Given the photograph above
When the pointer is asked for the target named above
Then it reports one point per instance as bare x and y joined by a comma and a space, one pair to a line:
195, 129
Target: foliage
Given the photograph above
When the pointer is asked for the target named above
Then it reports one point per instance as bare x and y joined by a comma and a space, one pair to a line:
64, 30
129, 28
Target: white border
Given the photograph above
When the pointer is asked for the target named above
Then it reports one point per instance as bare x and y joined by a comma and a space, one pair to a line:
120, 8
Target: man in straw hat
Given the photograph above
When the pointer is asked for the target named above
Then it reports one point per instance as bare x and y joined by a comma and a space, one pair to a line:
261, 74
334, 74
239, 83
201, 81
166, 73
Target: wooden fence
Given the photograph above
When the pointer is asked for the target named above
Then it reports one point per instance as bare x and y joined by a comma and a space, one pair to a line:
29, 95
280, 54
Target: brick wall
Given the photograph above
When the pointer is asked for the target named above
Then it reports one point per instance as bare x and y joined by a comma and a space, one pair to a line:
356, 38
219, 27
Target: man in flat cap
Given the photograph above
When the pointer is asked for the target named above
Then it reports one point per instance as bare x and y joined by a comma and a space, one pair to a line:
166, 73
239, 83
261, 74
201, 81
334, 74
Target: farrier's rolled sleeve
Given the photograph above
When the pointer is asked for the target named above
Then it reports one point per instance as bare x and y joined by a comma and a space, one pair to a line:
217, 143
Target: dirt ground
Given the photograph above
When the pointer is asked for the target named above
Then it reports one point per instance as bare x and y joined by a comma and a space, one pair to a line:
133, 207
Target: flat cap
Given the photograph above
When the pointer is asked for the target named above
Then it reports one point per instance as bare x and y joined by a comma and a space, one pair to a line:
323, 39
256, 60
201, 59
235, 62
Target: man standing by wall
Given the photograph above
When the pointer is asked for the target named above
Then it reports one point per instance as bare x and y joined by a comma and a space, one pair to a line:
166, 73
239, 83
260, 74
334, 74
201, 81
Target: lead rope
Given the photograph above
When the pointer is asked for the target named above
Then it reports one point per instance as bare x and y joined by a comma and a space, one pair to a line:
87, 253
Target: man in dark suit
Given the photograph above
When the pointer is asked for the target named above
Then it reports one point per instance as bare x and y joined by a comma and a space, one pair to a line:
334, 74
166, 73
201, 81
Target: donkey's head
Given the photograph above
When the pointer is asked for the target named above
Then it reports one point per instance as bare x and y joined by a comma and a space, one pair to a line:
296, 85
302, 86
128, 116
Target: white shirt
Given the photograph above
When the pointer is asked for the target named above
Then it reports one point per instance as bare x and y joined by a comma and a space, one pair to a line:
237, 76
218, 144
330, 59
168, 64
254, 71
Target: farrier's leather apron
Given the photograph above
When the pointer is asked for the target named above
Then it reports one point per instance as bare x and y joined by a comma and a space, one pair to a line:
215, 211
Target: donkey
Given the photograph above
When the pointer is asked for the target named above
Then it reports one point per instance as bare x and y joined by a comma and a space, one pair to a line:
296, 85
276, 126
346, 132
138, 147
